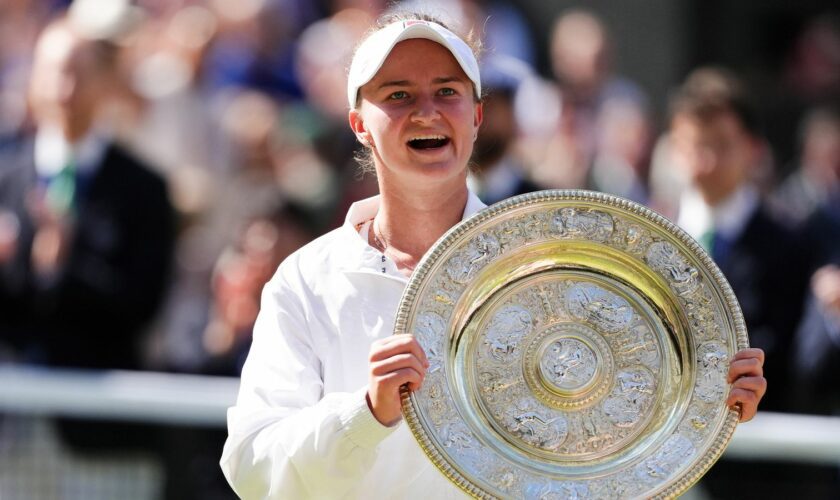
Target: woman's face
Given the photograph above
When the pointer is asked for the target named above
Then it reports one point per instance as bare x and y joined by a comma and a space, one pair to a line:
419, 115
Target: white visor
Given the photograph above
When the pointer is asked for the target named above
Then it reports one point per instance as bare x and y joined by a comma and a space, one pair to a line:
372, 53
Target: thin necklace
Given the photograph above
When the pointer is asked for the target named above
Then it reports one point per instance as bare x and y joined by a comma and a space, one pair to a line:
377, 241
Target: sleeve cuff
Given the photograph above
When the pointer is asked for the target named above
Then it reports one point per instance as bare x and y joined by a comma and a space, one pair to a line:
360, 425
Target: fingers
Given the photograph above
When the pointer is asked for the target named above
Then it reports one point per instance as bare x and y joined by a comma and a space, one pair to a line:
399, 363
746, 363
397, 344
750, 367
394, 362
396, 354
756, 385
392, 381
746, 374
750, 352
746, 399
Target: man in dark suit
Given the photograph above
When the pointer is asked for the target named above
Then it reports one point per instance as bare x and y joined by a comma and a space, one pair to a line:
87, 230
717, 143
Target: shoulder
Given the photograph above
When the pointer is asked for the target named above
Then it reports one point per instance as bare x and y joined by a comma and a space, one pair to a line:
767, 224
121, 164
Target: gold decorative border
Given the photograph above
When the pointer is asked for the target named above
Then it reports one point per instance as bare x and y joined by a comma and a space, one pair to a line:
718, 445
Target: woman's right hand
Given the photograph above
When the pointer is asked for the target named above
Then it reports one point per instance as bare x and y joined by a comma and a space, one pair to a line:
394, 361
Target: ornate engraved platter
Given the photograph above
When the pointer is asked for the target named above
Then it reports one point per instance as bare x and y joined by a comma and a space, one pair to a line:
578, 346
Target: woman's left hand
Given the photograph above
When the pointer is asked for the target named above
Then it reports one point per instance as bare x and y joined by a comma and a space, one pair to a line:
746, 374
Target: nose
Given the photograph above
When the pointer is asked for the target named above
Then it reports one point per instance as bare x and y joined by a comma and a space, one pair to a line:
707, 160
66, 88
425, 110
57, 88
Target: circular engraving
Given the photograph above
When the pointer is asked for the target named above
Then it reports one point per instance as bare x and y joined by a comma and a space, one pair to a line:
578, 347
548, 378
592, 372
568, 365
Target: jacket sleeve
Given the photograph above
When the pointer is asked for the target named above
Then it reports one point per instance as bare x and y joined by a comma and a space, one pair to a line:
286, 439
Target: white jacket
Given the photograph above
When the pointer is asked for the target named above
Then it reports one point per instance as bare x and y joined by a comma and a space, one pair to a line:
301, 427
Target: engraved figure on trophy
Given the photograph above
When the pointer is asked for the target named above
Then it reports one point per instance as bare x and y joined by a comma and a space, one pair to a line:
506, 478
456, 436
637, 346
481, 250
541, 301
493, 386
437, 405
703, 320
429, 330
508, 234
528, 423
635, 239
566, 490
712, 357
666, 259
662, 464
569, 363
581, 224
513, 233
460, 442
606, 311
634, 381
444, 298
591, 436
508, 326
630, 397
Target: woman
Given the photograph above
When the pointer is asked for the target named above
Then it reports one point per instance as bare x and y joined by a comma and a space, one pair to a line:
319, 408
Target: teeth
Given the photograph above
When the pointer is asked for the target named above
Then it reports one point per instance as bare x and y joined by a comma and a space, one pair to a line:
427, 137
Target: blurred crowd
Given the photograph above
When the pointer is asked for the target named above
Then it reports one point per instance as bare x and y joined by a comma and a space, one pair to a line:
159, 158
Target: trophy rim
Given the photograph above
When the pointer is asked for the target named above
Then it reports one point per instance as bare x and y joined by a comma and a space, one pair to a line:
421, 274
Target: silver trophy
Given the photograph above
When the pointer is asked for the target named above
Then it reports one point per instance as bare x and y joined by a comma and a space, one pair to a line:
578, 345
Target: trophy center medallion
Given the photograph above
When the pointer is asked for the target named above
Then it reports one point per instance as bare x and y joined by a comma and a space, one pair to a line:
568, 365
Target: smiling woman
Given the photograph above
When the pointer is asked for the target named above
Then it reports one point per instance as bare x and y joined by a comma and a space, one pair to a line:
318, 413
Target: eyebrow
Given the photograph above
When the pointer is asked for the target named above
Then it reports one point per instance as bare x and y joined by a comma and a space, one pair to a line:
407, 83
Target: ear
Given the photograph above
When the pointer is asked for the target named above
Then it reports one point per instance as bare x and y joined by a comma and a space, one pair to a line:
756, 148
357, 125
479, 114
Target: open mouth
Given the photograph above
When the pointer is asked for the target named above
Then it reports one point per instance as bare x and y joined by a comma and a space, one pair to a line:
426, 142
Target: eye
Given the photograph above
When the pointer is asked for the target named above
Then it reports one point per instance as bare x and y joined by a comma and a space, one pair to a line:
447, 91
400, 94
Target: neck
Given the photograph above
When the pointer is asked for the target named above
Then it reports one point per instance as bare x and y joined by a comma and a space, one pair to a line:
714, 197
409, 222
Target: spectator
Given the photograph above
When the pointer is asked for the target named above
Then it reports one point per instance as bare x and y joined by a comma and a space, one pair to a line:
239, 276
581, 60
814, 191
817, 177
497, 171
623, 146
87, 260
716, 141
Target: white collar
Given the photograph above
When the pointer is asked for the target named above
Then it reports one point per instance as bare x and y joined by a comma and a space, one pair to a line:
728, 218
364, 210
53, 152
370, 259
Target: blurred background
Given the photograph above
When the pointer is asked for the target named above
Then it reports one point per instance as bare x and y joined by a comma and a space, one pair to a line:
159, 158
